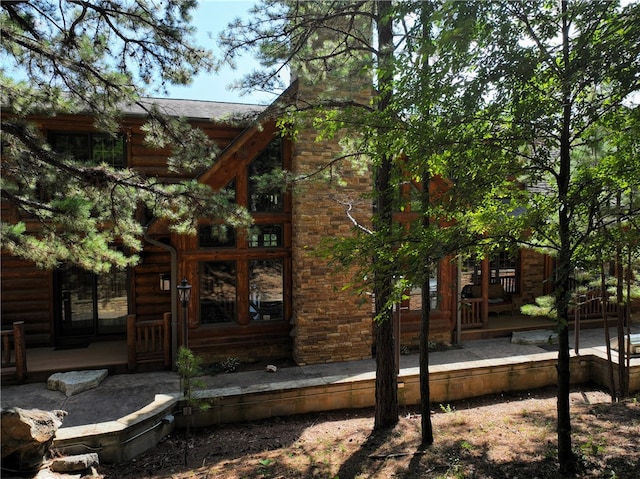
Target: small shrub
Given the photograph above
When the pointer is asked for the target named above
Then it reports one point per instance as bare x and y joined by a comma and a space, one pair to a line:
229, 365
466, 446
591, 448
448, 408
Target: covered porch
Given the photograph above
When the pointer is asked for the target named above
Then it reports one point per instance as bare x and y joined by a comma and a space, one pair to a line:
41, 362
147, 347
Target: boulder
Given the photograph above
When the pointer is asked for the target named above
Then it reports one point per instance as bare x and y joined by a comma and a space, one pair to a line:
79, 462
74, 382
27, 435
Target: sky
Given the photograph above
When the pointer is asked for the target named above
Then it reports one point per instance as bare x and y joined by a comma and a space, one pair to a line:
211, 17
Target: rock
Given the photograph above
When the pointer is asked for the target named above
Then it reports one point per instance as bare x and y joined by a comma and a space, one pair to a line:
271, 368
75, 382
27, 435
80, 462
49, 474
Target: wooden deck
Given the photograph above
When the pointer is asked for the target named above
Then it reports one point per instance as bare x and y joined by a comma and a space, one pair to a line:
42, 362
503, 325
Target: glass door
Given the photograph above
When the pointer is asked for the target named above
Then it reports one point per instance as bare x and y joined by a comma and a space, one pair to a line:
77, 302
90, 305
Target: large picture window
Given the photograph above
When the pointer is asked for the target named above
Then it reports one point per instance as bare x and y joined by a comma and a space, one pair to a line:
266, 236
266, 290
218, 292
245, 274
208, 237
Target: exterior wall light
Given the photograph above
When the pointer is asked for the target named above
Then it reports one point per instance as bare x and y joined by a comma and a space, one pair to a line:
184, 295
165, 282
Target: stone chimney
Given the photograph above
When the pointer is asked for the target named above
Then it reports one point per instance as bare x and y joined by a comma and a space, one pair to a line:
330, 323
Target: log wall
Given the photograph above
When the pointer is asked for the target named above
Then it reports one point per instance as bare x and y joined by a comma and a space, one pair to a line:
27, 295
27, 291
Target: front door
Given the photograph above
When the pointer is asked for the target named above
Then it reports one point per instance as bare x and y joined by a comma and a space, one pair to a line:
90, 305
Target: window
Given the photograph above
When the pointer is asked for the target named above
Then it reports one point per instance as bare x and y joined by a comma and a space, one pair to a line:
261, 198
413, 302
96, 148
218, 292
504, 268
266, 236
245, 275
221, 237
266, 290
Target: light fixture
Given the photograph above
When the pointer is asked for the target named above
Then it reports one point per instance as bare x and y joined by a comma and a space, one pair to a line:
165, 282
184, 291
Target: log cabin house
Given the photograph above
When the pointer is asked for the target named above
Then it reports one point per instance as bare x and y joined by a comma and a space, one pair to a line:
258, 296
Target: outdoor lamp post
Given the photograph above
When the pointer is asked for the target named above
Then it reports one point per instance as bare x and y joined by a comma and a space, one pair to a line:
184, 295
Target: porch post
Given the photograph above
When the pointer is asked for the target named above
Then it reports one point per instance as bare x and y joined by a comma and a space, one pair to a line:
131, 342
485, 291
20, 350
458, 302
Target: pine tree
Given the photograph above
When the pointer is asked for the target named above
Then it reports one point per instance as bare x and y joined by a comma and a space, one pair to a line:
93, 57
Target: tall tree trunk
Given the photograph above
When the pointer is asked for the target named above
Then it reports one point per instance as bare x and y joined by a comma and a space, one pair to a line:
607, 336
623, 376
386, 408
627, 317
425, 393
566, 457
425, 199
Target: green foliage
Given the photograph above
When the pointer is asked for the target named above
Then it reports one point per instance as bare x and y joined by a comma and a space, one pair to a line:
190, 371
229, 365
265, 466
527, 110
544, 306
447, 408
466, 446
592, 448
92, 58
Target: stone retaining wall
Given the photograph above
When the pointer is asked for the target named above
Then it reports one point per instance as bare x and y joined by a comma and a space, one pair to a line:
121, 440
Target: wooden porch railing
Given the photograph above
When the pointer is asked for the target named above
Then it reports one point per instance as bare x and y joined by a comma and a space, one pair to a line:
14, 351
471, 313
590, 305
509, 283
148, 341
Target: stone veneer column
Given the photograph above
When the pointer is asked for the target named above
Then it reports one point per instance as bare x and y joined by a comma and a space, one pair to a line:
532, 272
330, 324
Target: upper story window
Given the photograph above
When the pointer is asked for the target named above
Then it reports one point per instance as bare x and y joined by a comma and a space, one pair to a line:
266, 199
266, 236
209, 237
96, 148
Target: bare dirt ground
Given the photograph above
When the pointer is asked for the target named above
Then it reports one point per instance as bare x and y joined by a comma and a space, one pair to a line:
505, 436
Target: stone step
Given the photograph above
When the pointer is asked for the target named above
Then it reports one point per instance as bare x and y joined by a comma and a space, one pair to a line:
633, 343
74, 382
